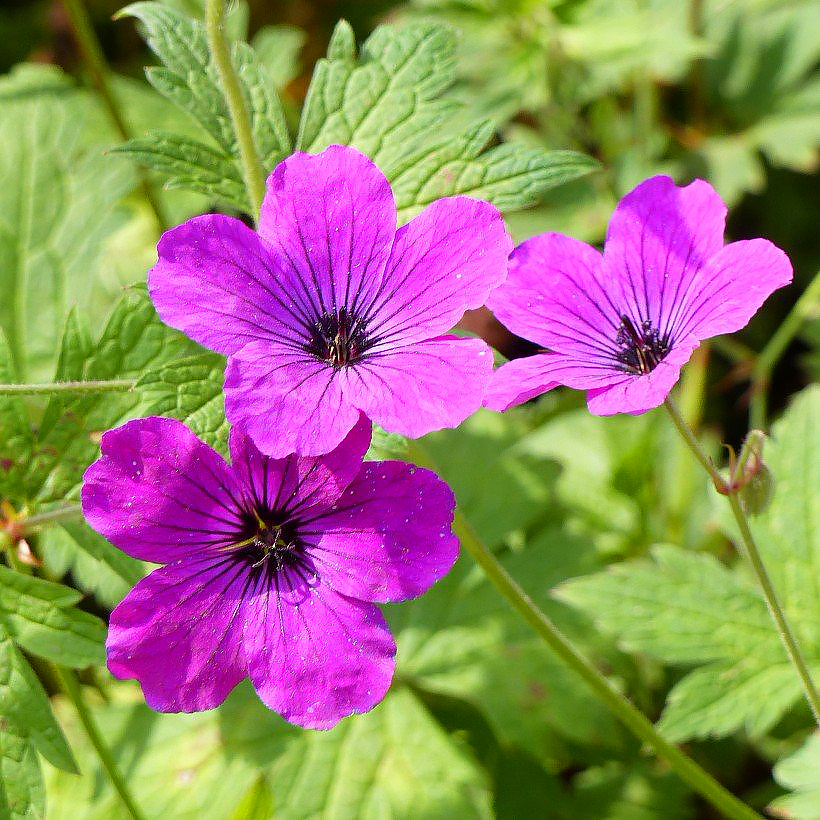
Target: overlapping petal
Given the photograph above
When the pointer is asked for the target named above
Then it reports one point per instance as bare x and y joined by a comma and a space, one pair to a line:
298, 482
179, 633
423, 387
287, 402
388, 538
315, 656
158, 493
523, 379
554, 295
445, 261
332, 216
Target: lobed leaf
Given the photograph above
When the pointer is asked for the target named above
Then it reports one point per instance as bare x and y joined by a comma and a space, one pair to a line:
685, 609
800, 773
189, 79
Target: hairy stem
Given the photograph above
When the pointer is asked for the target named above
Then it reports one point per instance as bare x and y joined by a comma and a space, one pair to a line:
252, 169
71, 686
103, 386
807, 305
753, 554
51, 517
634, 720
95, 64
775, 608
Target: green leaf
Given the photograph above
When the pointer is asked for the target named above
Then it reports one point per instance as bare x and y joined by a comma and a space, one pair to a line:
95, 565
189, 79
189, 390
190, 164
461, 639
497, 488
395, 761
278, 49
388, 106
24, 704
688, 609
21, 788
175, 765
133, 341
15, 432
56, 208
801, 774
40, 617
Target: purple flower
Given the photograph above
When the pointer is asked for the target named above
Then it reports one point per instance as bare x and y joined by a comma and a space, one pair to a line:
329, 311
621, 325
272, 569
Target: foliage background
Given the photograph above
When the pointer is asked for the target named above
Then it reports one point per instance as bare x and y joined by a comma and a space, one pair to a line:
606, 521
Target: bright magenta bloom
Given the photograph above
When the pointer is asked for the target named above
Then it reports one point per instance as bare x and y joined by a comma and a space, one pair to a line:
622, 324
272, 568
329, 312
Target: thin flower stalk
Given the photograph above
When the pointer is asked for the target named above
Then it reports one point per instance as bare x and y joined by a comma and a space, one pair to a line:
773, 604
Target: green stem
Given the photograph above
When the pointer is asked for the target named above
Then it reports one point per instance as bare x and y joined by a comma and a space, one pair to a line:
683, 428
805, 307
753, 554
103, 386
775, 608
686, 768
71, 686
97, 68
50, 517
252, 169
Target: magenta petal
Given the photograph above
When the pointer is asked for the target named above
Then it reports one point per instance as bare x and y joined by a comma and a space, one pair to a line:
444, 262
179, 633
158, 493
520, 380
217, 283
732, 287
423, 387
638, 394
333, 217
314, 656
554, 295
388, 538
295, 482
659, 239
286, 403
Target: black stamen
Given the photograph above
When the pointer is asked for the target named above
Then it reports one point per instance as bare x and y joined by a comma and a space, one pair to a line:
338, 338
268, 542
642, 349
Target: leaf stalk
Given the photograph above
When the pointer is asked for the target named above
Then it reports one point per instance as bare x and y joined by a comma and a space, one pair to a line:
101, 386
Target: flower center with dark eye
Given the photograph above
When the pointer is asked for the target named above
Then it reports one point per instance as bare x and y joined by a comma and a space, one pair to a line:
268, 543
338, 339
642, 347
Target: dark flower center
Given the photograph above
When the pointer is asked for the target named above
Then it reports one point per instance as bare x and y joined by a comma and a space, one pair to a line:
338, 338
642, 347
268, 543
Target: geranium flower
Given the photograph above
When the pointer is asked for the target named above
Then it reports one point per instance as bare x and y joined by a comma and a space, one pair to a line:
271, 568
329, 311
622, 324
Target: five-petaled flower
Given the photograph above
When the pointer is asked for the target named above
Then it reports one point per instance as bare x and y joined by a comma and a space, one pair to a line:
622, 324
329, 311
272, 568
